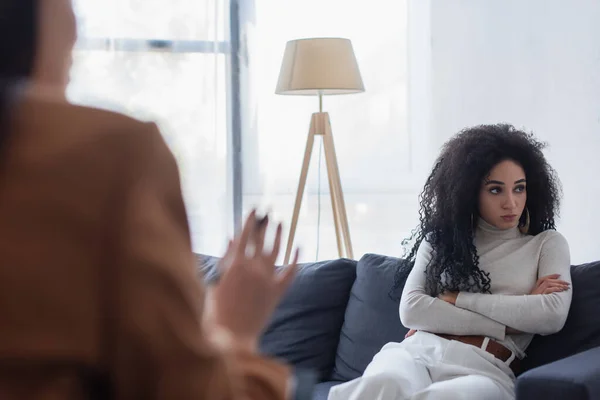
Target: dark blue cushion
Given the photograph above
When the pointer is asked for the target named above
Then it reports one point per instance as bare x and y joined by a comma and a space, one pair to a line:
582, 328
322, 390
372, 316
573, 378
305, 328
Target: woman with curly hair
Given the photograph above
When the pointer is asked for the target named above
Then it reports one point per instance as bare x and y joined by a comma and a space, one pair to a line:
486, 272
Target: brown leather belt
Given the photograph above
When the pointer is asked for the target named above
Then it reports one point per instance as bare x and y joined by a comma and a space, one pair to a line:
493, 347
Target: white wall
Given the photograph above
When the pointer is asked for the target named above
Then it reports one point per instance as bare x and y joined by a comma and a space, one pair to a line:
535, 64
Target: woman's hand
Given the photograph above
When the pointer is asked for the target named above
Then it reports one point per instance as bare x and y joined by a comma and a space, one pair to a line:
449, 297
550, 284
250, 287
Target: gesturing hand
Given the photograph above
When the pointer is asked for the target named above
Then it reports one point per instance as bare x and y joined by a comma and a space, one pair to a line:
250, 287
550, 284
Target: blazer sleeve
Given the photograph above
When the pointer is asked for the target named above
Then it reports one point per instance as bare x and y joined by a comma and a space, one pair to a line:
160, 348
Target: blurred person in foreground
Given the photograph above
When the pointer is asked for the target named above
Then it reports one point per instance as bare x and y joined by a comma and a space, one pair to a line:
100, 297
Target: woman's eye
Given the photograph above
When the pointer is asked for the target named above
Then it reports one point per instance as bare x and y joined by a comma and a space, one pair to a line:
520, 189
495, 190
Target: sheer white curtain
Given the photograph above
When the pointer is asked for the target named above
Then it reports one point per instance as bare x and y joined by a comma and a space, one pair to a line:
166, 61
376, 151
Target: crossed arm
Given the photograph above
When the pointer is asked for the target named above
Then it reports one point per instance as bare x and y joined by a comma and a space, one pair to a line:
488, 314
420, 311
542, 314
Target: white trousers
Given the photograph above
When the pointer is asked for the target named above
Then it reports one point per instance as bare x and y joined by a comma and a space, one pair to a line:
426, 367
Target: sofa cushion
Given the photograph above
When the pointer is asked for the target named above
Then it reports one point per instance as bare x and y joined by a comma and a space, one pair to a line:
573, 378
305, 327
582, 328
372, 316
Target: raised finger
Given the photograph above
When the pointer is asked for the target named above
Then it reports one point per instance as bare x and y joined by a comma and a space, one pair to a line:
246, 232
276, 244
258, 234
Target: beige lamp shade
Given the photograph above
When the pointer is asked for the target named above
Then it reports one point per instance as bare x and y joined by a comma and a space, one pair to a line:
316, 66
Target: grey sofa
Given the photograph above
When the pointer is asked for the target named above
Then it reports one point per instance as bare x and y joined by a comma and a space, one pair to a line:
338, 314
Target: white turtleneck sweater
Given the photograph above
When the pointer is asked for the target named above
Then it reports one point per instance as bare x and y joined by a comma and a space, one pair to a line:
515, 262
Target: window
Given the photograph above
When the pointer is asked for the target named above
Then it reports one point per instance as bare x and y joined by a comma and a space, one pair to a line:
169, 61
166, 61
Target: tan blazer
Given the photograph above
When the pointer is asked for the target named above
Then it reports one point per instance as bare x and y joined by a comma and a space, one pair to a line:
97, 280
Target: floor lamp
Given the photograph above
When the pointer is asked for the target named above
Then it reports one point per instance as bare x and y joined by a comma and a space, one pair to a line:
321, 67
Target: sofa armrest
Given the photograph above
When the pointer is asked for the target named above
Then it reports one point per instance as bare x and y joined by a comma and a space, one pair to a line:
574, 378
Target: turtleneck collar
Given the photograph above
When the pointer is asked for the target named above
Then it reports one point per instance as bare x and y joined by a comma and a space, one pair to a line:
489, 231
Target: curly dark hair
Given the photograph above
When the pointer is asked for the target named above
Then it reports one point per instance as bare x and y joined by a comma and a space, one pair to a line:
449, 203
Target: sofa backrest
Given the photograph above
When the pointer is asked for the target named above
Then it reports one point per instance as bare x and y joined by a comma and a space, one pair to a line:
338, 314
305, 327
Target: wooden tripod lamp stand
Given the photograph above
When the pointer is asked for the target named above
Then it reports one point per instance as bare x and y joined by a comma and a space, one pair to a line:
321, 67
